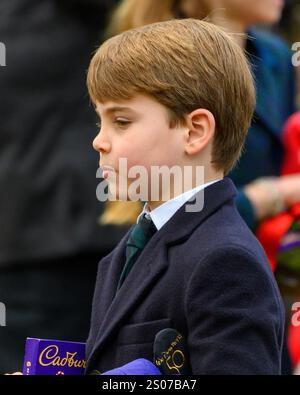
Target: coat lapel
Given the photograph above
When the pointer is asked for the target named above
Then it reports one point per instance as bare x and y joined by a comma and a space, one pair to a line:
108, 275
115, 308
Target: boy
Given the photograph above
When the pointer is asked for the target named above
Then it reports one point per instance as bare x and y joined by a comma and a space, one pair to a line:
180, 93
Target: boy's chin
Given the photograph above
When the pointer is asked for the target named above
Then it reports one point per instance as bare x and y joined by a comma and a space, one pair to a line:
116, 194
125, 197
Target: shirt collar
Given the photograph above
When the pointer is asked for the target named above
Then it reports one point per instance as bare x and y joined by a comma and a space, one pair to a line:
161, 215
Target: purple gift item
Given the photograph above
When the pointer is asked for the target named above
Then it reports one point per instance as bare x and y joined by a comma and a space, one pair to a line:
138, 367
53, 357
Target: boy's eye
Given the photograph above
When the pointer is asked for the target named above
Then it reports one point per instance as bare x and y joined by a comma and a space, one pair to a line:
119, 122
122, 122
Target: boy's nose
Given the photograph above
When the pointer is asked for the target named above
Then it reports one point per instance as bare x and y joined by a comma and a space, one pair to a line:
101, 145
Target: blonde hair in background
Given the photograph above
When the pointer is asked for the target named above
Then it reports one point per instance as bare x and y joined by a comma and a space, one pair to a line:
136, 13
120, 213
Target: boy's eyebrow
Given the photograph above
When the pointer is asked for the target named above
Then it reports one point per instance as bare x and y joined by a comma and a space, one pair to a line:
113, 109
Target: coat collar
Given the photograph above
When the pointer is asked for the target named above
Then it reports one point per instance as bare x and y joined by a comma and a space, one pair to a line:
113, 310
183, 223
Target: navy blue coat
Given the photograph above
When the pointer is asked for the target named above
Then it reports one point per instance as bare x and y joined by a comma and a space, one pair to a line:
203, 274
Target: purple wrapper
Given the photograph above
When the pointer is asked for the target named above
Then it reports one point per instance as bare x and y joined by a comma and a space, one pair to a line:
53, 357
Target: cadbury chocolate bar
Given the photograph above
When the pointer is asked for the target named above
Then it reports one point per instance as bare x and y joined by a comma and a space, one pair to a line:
53, 357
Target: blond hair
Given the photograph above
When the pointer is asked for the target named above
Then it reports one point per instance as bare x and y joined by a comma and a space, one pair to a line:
184, 64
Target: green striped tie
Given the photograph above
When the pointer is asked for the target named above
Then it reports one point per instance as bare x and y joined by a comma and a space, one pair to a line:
139, 237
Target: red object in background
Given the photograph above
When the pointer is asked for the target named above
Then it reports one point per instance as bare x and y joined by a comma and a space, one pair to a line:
270, 234
272, 231
291, 142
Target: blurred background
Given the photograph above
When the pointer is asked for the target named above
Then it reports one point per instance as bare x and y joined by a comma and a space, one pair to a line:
289, 25
53, 231
289, 29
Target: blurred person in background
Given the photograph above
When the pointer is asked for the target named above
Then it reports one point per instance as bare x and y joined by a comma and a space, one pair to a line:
289, 28
263, 192
50, 237
289, 24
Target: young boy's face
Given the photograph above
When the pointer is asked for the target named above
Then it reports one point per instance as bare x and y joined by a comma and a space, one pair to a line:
138, 130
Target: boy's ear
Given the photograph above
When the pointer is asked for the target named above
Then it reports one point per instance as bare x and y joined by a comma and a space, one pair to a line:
200, 130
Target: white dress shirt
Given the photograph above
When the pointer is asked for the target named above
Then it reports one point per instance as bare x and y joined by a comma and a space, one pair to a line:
163, 213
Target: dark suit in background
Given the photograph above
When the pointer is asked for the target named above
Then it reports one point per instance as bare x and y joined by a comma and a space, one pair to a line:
50, 239
203, 274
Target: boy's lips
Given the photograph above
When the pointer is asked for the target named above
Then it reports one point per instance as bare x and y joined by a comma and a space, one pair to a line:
106, 170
